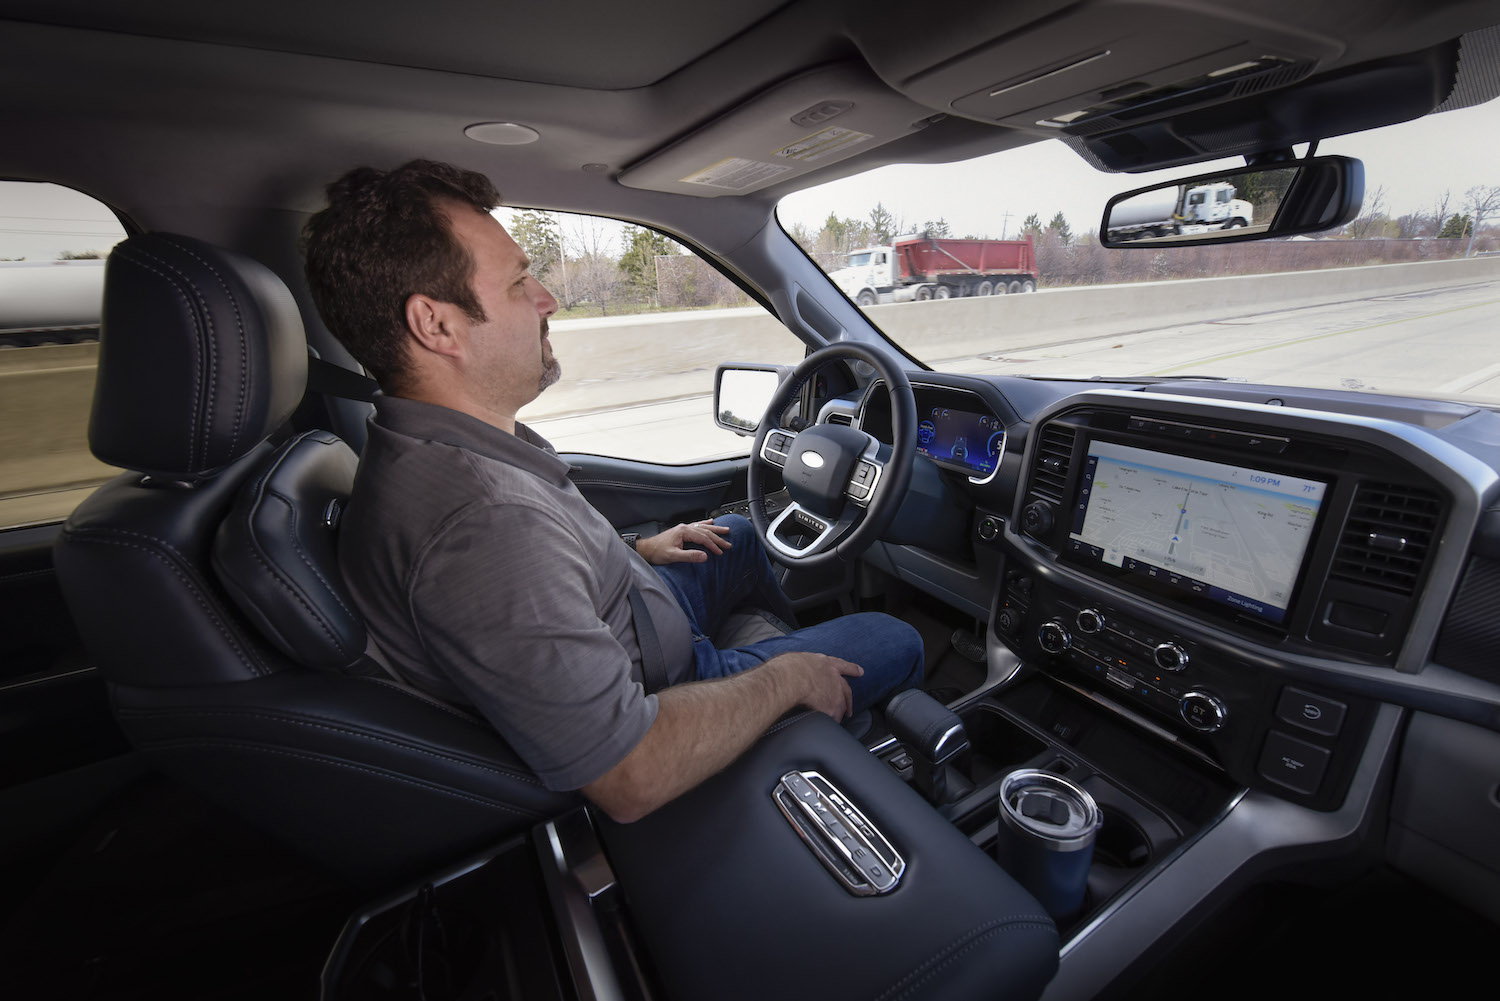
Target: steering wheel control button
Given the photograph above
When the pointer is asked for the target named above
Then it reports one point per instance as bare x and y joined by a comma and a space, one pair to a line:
1203, 712
841, 837
1053, 637
1170, 657
1089, 620
1316, 713
1293, 763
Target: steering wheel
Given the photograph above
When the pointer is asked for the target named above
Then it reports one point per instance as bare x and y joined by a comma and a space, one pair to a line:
845, 485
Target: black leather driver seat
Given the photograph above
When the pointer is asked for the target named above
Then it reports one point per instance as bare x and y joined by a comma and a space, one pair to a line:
249, 682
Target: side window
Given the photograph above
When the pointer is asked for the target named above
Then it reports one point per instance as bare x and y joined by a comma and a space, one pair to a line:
641, 326
53, 242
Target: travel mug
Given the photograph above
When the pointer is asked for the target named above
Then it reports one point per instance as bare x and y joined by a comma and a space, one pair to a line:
1046, 838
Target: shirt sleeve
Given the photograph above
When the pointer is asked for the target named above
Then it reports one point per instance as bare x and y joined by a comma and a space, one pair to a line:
507, 606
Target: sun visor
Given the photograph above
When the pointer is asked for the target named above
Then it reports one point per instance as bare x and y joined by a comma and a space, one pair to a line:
796, 127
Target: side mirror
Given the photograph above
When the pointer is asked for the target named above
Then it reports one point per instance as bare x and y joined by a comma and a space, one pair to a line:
1259, 203
742, 391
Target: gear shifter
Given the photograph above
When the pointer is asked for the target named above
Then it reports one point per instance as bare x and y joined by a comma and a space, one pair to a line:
934, 735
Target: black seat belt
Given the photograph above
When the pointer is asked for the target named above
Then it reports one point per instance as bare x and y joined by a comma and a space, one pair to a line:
335, 380
653, 661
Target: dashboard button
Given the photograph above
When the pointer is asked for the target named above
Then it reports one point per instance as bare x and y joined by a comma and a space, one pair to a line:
1293, 763
1310, 711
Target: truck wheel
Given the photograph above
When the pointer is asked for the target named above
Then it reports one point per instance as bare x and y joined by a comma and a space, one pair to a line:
1014, 288
923, 294
941, 292
999, 289
867, 298
1028, 286
984, 288
1235, 223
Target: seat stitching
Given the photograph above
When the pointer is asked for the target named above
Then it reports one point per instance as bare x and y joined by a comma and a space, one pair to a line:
951, 952
320, 759
427, 700
124, 253
239, 321
322, 723
211, 342
103, 536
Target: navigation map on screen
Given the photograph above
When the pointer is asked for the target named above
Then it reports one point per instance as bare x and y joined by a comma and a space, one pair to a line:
1232, 534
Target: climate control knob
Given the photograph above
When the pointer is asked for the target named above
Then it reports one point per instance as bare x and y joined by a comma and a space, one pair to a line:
1089, 620
1053, 637
1203, 712
1170, 657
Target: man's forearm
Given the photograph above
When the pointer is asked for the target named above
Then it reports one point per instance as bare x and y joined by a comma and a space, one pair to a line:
701, 727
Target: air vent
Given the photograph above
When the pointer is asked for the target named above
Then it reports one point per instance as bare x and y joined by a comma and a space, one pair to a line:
1049, 473
845, 419
1387, 536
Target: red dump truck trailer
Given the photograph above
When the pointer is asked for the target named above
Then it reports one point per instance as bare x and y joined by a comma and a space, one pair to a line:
926, 267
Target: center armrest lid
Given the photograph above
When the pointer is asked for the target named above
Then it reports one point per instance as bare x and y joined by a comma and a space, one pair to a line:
731, 903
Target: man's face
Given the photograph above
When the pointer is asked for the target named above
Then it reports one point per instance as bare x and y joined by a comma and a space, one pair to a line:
511, 360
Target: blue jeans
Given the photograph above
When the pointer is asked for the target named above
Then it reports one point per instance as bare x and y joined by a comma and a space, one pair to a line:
888, 649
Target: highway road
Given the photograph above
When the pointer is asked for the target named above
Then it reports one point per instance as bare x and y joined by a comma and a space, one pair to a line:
656, 405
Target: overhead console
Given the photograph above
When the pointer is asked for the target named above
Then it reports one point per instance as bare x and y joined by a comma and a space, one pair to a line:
1234, 576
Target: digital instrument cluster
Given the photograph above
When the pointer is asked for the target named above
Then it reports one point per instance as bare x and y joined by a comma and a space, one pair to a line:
964, 439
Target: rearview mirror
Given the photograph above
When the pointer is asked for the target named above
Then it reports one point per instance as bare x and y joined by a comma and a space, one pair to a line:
1257, 203
741, 394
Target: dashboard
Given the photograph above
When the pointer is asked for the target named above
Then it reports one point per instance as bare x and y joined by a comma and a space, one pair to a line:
1246, 573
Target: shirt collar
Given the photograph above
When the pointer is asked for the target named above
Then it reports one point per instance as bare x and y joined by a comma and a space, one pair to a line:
525, 449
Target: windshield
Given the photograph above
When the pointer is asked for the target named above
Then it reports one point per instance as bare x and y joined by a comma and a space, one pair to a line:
1404, 299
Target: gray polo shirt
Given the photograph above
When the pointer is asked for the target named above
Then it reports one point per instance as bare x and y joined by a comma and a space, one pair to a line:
487, 580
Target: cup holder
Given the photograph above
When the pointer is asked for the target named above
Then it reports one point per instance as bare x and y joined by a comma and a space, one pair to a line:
1121, 842
996, 745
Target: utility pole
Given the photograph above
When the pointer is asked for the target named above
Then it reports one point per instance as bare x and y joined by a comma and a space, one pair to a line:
1004, 223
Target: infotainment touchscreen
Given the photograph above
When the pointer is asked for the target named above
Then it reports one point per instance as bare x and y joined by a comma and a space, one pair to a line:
972, 441
1231, 534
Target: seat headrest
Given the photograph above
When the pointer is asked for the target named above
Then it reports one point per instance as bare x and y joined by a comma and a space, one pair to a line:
201, 356
276, 552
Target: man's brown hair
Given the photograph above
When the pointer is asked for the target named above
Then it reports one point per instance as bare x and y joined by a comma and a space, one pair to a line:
382, 239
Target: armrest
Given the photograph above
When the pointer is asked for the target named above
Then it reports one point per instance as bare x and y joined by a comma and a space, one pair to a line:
731, 903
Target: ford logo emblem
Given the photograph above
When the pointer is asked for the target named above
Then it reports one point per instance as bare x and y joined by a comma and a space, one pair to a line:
812, 459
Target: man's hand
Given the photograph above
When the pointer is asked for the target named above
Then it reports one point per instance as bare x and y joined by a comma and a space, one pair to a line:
821, 678
671, 545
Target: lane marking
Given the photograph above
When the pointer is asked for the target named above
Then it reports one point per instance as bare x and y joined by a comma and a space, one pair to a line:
1318, 337
1469, 381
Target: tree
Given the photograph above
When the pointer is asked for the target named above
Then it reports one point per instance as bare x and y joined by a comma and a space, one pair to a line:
1032, 226
1373, 217
938, 228
538, 235
593, 270
1440, 212
1457, 227
642, 248
1482, 200
1059, 225
882, 224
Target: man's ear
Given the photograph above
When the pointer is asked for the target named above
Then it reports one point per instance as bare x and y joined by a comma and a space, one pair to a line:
432, 324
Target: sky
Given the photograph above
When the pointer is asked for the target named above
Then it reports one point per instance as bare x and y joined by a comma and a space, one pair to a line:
1414, 161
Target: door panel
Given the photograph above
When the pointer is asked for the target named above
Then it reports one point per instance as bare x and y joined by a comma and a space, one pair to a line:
637, 495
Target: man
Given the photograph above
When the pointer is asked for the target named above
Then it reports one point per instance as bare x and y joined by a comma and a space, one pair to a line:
485, 576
